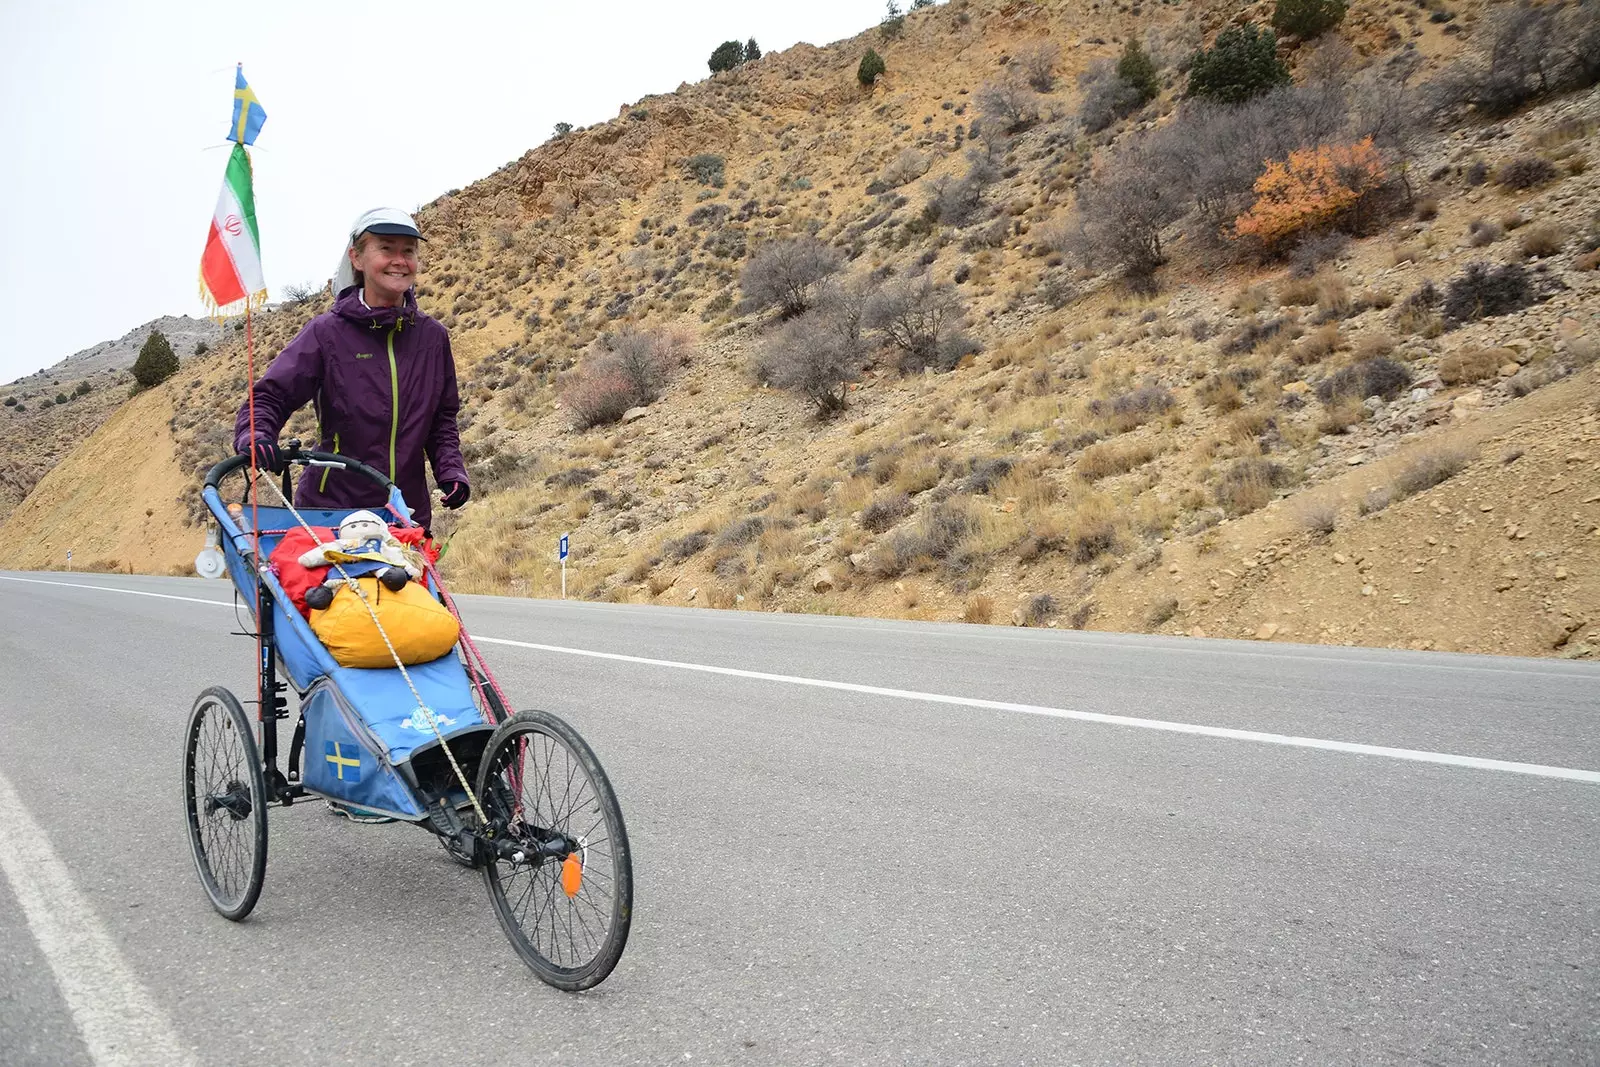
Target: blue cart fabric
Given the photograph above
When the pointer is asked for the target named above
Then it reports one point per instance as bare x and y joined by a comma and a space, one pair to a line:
361, 724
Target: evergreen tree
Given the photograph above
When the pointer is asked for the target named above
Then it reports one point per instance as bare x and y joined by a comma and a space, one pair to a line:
752, 51
1241, 64
1307, 18
871, 67
729, 54
1138, 70
156, 362
563, 128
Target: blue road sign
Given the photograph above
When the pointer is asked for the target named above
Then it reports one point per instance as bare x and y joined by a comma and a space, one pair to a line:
564, 546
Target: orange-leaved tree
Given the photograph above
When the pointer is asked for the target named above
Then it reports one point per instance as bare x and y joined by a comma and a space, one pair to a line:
1314, 188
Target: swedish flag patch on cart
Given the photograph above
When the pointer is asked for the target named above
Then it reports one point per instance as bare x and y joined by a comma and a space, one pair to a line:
344, 759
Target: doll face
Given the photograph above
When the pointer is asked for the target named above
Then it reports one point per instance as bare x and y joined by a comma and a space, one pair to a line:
362, 526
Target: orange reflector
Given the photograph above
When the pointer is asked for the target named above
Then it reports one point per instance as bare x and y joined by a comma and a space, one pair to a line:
571, 874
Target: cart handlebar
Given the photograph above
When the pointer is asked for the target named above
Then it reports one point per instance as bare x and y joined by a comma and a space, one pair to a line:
305, 457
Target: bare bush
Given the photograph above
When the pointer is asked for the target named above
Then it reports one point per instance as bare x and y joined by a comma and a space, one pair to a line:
1528, 52
1122, 210
784, 274
921, 319
623, 370
1107, 96
908, 166
1524, 172
884, 511
1378, 376
1009, 102
1037, 65
820, 353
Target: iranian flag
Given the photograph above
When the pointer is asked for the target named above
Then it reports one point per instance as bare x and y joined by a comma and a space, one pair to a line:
230, 269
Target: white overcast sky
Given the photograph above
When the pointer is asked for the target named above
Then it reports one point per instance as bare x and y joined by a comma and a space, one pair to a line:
112, 114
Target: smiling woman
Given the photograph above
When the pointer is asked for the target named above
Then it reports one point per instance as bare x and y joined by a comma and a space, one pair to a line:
380, 375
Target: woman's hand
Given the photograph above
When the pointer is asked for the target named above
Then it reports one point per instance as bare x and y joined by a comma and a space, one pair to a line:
455, 494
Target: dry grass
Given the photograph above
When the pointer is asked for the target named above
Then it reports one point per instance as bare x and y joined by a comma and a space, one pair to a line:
1341, 415
1299, 292
1471, 364
1319, 518
1431, 466
1115, 457
1544, 239
979, 609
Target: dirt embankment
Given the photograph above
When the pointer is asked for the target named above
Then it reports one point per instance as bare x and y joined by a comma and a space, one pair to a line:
110, 502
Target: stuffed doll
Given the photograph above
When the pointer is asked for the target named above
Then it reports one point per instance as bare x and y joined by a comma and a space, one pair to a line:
365, 547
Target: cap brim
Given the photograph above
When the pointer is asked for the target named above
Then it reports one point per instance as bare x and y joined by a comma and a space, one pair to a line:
393, 229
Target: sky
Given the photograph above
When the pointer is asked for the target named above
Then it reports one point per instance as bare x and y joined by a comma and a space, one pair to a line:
113, 119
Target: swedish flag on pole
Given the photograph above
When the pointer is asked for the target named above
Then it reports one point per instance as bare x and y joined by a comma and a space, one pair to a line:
230, 268
248, 114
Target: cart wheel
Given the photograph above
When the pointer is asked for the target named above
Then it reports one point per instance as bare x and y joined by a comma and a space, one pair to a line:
567, 903
225, 799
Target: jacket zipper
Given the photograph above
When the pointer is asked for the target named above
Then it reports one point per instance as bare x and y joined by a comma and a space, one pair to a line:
394, 396
322, 487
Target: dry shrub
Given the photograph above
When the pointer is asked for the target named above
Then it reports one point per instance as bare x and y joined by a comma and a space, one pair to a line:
1038, 609
885, 510
1317, 346
1248, 484
1092, 529
1128, 410
1115, 457
1544, 239
1341, 415
1379, 376
660, 583
1525, 172
1373, 344
1430, 467
1298, 292
784, 274
1047, 534
1319, 518
1471, 364
1483, 232
979, 609
1221, 393
934, 540
1161, 612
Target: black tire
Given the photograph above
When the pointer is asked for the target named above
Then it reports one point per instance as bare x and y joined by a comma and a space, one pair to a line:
225, 803
538, 779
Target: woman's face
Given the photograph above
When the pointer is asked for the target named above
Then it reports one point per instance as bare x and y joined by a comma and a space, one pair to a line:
388, 263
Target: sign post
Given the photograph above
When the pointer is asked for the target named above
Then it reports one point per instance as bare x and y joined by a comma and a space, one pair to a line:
563, 550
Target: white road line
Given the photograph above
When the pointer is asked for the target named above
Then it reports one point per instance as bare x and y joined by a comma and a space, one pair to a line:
1355, 748
121, 1024
114, 589
1411, 754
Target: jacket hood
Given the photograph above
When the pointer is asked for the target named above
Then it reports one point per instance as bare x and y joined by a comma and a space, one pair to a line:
348, 305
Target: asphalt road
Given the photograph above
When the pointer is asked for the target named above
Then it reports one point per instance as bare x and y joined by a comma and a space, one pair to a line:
959, 872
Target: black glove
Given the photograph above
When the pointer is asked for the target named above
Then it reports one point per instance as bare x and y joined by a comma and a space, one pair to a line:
267, 456
455, 494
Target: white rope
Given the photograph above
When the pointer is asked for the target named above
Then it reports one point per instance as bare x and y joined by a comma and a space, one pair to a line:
421, 705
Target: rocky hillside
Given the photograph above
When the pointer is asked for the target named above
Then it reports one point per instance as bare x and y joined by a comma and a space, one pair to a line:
1286, 443
47, 414
186, 335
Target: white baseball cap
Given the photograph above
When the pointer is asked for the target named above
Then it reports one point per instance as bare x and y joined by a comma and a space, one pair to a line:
389, 221
386, 220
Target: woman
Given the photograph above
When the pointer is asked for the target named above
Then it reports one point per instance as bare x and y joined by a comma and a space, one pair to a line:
381, 378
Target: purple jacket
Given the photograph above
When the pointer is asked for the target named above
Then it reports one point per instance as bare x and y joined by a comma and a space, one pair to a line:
383, 382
